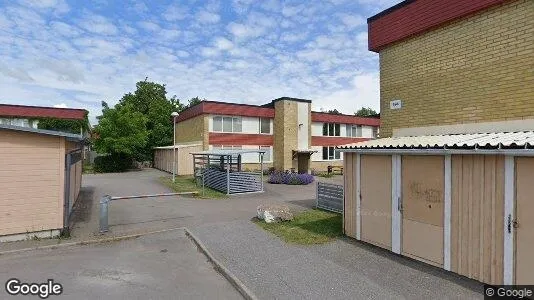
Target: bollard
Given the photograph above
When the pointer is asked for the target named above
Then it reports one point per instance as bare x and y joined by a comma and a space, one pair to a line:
104, 205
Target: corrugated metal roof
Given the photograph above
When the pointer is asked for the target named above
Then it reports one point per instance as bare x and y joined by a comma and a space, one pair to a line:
496, 140
69, 136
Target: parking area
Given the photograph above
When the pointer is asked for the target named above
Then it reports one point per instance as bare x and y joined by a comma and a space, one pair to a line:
156, 266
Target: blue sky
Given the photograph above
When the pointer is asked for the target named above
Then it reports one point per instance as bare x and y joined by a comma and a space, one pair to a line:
77, 53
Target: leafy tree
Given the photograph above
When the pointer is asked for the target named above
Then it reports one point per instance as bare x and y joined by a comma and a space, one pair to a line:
121, 131
194, 101
151, 101
366, 112
334, 111
72, 126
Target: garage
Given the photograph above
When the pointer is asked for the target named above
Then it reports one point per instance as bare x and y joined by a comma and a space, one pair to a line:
40, 180
460, 202
163, 158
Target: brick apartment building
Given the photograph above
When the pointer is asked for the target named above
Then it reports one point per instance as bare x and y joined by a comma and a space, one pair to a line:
286, 128
455, 62
450, 180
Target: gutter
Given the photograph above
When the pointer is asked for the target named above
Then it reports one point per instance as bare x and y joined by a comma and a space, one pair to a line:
513, 152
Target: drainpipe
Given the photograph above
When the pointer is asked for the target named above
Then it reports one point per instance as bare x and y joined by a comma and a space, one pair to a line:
66, 194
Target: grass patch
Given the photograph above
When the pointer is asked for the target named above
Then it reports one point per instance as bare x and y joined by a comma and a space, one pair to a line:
307, 228
188, 184
324, 174
88, 169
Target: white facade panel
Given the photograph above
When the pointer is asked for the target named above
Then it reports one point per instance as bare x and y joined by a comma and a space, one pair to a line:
317, 156
343, 130
303, 118
251, 125
367, 131
317, 129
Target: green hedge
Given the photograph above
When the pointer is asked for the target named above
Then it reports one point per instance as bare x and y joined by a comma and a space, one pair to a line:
113, 163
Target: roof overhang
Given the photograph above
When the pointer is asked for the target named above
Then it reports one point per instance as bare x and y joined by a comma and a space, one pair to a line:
303, 151
414, 17
68, 136
510, 143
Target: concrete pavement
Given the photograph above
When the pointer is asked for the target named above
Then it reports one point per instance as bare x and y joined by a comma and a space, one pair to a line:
156, 266
344, 269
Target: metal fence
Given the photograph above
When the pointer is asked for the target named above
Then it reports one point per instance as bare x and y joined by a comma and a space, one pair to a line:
105, 200
330, 197
72, 184
232, 182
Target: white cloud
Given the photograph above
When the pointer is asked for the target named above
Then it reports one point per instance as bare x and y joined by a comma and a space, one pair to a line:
58, 6
290, 11
353, 21
264, 52
209, 52
175, 12
363, 92
64, 29
150, 26
169, 34
139, 7
98, 24
207, 17
60, 105
223, 43
293, 36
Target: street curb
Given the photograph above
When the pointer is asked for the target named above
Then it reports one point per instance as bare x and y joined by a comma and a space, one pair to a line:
241, 288
88, 242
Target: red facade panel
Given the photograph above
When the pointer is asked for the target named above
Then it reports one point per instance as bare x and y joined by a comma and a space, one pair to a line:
334, 140
22, 111
230, 109
231, 139
415, 17
344, 119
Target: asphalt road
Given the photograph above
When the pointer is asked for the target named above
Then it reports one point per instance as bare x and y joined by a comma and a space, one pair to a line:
156, 266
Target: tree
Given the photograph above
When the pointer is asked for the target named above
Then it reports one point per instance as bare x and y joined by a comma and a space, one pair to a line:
334, 111
194, 101
72, 126
121, 131
151, 101
366, 112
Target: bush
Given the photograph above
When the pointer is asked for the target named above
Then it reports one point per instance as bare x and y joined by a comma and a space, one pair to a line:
268, 171
113, 163
278, 177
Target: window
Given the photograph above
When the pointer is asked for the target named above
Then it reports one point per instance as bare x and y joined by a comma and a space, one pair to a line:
267, 154
236, 125
217, 123
331, 129
227, 124
329, 153
354, 130
265, 125
375, 132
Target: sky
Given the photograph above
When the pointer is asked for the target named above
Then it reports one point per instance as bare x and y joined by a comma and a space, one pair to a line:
75, 54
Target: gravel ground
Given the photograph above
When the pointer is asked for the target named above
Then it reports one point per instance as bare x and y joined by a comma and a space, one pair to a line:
340, 270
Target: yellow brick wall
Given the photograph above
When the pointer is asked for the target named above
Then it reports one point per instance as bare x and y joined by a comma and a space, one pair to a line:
476, 69
285, 133
193, 130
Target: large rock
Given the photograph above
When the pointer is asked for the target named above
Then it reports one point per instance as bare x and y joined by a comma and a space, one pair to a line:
274, 213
